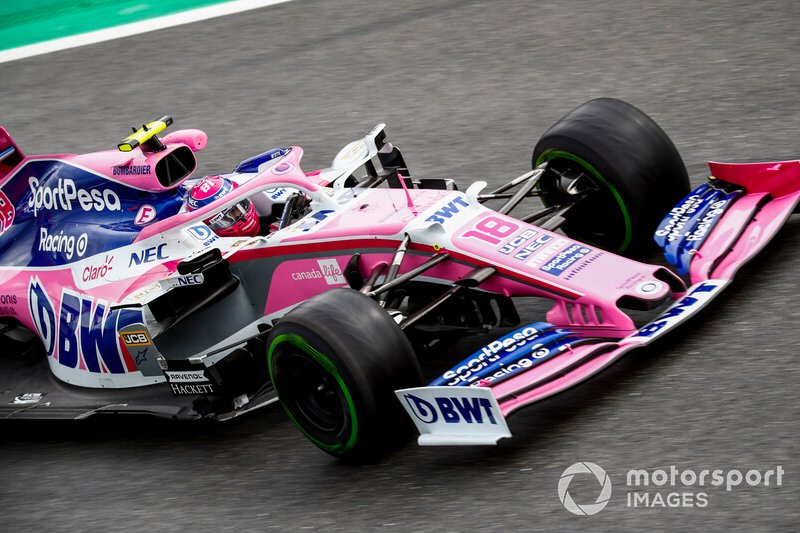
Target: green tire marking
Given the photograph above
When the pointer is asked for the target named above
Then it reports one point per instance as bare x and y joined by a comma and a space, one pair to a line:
549, 155
327, 364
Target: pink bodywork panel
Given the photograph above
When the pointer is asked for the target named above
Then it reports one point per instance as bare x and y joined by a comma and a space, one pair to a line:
772, 194
593, 280
584, 282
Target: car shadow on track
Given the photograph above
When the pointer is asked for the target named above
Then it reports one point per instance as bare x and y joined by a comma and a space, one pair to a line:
127, 427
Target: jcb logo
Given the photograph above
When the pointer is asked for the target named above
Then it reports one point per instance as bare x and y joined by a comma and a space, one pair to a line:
136, 338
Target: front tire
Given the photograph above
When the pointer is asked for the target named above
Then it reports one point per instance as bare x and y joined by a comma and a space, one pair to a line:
335, 361
636, 172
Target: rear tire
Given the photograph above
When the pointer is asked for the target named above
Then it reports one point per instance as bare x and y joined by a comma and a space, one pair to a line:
636, 170
335, 361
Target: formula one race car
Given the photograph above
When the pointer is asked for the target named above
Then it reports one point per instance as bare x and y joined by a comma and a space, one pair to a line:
130, 278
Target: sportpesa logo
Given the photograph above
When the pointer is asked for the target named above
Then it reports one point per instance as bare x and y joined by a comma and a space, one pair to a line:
586, 509
66, 195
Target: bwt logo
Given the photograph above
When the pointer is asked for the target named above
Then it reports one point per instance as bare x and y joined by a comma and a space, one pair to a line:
447, 211
202, 234
82, 332
452, 410
685, 304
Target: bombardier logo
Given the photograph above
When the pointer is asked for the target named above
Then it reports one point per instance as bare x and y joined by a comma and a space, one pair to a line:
66, 196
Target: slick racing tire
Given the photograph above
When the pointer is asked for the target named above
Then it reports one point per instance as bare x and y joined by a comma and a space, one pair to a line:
335, 361
634, 172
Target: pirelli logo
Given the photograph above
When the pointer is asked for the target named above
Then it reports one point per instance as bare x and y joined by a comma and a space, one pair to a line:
136, 338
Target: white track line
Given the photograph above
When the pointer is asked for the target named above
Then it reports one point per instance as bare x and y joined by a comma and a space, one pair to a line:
135, 28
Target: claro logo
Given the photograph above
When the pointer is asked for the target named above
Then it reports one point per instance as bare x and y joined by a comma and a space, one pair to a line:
66, 197
95, 272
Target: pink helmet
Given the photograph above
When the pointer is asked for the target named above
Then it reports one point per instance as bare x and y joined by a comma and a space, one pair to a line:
238, 220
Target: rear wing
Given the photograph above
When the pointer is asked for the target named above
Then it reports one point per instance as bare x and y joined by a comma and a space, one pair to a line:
10, 154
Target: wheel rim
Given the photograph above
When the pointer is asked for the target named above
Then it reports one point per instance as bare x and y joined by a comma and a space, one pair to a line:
603, 219
313, 393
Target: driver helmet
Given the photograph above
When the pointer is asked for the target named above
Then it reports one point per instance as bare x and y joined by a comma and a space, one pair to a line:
238, 220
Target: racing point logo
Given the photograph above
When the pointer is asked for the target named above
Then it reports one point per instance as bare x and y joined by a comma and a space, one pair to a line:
586, 509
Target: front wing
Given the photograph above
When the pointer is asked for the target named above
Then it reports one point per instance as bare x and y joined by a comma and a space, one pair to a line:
708, 237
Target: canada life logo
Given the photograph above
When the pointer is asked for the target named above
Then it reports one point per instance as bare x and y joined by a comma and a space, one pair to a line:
331, 271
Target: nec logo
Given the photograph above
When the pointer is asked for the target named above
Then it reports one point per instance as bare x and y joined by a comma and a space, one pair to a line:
452, 410
191, 279
148, 255
447, 211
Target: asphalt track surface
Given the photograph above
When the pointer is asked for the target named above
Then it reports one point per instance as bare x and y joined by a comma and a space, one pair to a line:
466, 88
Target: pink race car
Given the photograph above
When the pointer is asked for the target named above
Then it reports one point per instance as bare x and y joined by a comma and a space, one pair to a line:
151, 292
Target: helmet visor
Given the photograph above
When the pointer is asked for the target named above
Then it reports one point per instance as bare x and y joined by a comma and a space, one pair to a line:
230, 216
